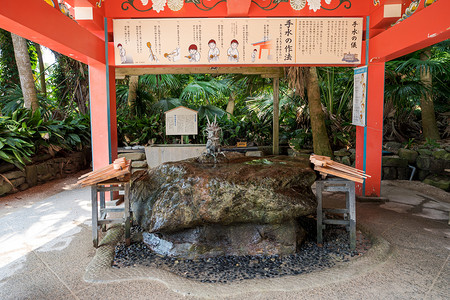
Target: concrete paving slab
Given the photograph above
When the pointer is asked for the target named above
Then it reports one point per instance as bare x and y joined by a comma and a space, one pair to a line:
32, 280
136, 290
76, 251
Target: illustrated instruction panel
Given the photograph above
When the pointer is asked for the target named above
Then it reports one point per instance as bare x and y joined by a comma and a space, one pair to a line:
238, 41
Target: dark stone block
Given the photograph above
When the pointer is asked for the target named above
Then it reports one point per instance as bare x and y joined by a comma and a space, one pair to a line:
389, 173
42, 168
342, 152
18, 181
346, 160
423, 162
422, 174
409, 155
5, 187
14, 174
425, 152
24, 186
31, 175
393, 147
403, 173
394, 161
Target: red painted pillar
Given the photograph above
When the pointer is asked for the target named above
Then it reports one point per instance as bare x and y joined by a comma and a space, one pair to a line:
113, 112
369, 139
103, 114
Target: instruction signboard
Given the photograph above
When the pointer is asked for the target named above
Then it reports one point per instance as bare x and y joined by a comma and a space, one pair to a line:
359, 96
181, 121
257, 41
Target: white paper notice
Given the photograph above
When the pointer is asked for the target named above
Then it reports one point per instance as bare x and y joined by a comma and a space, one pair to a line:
359, 96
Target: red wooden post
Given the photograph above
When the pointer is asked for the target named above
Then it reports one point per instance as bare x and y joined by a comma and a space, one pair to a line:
103, 114
369, 139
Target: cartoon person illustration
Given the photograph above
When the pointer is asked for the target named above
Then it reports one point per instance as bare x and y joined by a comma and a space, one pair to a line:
194, 55
174, 55
122, 53
254, 53
233, 53
152, 56
213, 54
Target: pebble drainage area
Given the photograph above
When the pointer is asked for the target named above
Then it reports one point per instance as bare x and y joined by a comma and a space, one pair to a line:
228, 269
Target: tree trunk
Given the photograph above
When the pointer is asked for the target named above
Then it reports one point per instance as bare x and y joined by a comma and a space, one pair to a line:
321, 143
231, 103
41, 70
132, 92
429, 124
26, 76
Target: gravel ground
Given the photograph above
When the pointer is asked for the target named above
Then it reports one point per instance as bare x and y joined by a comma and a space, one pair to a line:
225, 269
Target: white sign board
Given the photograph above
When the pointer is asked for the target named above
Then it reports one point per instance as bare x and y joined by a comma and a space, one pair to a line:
181, 121
227, 41
359, 96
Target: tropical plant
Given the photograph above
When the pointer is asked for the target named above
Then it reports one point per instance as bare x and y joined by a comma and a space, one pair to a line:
24, 134
423, 68
15, 145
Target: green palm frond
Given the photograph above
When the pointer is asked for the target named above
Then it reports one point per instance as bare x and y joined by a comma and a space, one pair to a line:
210, 111
164, 105
415, 65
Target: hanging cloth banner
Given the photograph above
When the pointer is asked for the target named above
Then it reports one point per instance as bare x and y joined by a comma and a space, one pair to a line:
359, 96
254, 41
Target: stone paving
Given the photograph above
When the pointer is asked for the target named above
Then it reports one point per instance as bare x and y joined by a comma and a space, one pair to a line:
47, 253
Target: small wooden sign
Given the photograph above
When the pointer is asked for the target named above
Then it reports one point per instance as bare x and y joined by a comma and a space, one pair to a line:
181, 121
241, 144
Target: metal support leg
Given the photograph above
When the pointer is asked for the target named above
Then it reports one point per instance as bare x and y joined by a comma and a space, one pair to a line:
352, 213
127, 215
102, 207
94, 215
319, 189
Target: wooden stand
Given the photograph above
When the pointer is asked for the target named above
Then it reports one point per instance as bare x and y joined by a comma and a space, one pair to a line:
99, 216
349, 212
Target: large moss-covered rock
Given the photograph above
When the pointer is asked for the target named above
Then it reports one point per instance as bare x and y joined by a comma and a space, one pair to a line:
425, 152
440, 181
188, 194
439, 154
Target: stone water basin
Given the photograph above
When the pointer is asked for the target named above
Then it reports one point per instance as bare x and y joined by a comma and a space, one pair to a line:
238, 206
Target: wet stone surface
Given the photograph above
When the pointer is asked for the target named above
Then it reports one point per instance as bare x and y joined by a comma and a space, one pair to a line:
309, 258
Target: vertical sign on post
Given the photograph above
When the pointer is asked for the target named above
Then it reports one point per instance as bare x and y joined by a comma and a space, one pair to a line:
359, 96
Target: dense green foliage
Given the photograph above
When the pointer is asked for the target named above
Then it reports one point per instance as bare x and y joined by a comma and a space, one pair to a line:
24, 134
